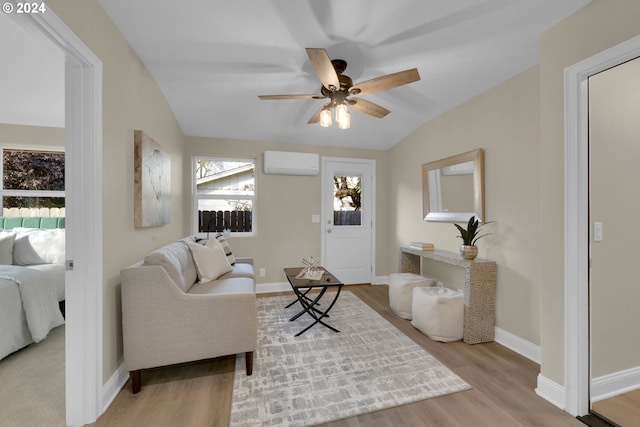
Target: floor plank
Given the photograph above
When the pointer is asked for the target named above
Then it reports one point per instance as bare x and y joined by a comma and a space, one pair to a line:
623, 409
199, 394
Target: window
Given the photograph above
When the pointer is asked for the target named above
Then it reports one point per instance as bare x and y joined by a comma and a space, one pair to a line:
32, 182
347, 206
224, 194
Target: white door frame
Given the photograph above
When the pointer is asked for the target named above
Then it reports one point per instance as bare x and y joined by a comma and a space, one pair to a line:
323, 218
83, 194
576, 220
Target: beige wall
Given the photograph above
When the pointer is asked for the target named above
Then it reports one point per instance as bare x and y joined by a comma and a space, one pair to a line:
282, 239
31, 135
519, 124
594, 28
614, 96
131, 100
505, 123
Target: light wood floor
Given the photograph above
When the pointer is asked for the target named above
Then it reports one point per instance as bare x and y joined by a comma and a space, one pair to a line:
623, 409
199, 394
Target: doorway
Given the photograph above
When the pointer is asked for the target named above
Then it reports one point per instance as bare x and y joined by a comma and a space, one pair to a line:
83, 178
614, 108
577, 221
348, 218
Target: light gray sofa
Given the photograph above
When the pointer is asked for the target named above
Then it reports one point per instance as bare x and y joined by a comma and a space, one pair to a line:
168, 317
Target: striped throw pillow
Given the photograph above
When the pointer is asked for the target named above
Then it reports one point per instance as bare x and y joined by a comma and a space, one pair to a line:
227, 249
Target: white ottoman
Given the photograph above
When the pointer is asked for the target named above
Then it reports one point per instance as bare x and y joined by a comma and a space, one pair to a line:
401, 287
439, 313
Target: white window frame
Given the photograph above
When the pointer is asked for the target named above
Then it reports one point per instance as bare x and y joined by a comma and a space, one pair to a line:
197, 197
26, 193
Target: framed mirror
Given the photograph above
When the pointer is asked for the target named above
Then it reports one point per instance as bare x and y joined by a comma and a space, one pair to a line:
453, 188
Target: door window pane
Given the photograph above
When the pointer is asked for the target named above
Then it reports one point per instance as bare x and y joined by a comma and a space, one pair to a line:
347, 206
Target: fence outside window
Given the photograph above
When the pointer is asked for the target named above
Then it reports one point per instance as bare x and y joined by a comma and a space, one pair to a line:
235, 221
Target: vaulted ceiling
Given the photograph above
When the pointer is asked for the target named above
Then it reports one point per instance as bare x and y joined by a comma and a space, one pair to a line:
213, 58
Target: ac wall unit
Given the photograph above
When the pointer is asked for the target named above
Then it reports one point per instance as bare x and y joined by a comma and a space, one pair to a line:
288, 163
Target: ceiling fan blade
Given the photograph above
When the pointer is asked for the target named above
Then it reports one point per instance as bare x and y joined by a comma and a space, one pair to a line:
323, 67
316, 117
292, 96
386, 82
367, 107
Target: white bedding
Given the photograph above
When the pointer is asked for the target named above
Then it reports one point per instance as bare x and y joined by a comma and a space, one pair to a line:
28, 307
56, 273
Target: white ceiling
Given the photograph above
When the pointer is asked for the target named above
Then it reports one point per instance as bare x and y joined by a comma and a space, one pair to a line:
212, 58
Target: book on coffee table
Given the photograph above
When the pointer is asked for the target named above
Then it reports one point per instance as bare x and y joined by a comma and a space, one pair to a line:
423, 246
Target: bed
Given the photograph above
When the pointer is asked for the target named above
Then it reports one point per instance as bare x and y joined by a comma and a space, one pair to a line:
28, 307
32, 277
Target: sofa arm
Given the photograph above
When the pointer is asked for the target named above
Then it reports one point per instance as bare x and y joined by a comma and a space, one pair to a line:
244, 260
162, 325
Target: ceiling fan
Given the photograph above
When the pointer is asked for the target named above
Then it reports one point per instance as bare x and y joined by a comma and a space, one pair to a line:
339, 89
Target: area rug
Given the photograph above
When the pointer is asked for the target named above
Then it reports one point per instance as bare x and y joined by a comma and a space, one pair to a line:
323, 376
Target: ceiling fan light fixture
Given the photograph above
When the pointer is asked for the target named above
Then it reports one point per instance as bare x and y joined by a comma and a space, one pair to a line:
345, 119
338, 87
341, 113
325, 118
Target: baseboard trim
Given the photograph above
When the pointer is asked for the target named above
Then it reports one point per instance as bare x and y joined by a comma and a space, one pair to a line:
614, 384
380, 280
551, 391
111, 389
265, 288
517, 344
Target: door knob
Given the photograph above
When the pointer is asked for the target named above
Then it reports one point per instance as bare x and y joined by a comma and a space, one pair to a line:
329, 230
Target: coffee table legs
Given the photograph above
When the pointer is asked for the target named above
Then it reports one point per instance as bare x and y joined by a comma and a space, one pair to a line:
309, 306
306, 298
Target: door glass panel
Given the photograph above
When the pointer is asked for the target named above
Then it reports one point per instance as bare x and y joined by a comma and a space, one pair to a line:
347, 203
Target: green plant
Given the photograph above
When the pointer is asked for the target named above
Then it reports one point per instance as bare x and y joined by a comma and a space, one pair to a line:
470, 235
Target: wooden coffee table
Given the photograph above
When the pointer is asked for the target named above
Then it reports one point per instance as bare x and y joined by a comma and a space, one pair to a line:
311, 305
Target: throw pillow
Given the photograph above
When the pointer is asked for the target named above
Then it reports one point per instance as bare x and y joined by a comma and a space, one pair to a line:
211, 263
214, 243
6, 248
227, 249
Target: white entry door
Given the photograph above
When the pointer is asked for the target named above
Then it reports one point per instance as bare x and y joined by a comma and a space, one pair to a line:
348, 190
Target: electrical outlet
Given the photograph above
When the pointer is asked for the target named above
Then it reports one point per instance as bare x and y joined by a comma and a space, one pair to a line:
263, 272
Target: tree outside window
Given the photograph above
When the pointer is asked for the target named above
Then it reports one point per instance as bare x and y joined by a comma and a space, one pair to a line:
32, 179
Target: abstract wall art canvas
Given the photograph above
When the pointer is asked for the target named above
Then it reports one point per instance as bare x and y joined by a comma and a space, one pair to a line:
152, 182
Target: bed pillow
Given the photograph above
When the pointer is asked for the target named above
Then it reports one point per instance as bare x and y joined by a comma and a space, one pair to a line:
49, 245
24, 253
211, 262
6, 247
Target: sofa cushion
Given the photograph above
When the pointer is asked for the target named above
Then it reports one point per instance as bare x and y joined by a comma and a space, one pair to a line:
236, 285
211, 262
177, 261
240, 270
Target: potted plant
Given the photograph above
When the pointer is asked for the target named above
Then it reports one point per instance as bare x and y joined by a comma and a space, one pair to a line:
469, 237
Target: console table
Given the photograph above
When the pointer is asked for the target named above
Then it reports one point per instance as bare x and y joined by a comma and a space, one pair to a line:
479, 289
